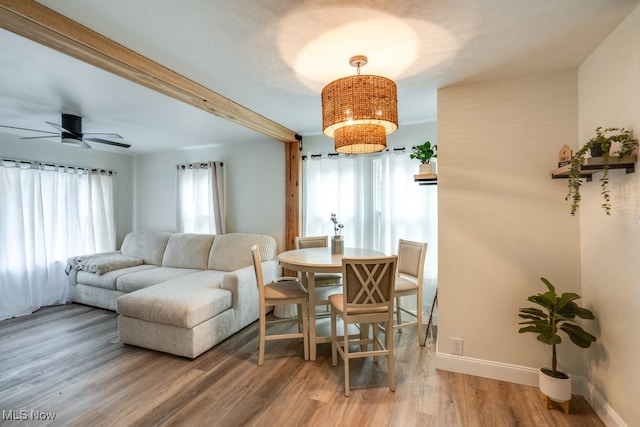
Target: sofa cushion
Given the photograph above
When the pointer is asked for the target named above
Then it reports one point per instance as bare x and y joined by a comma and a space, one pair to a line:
148, 245
232, 251
170, 303
214, 277
138, 280
108, 279
186, 250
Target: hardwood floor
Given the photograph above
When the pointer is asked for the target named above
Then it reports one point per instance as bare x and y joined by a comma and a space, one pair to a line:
68, 360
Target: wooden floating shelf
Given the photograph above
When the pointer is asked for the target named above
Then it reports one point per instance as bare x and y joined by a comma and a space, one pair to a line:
426, 179
596, 164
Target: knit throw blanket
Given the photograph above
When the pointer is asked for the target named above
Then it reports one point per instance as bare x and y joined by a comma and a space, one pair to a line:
101, 264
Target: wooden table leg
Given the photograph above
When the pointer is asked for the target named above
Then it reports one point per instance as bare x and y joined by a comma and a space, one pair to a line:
311, 288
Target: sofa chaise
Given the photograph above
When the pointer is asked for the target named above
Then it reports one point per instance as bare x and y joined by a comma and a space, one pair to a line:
178, 293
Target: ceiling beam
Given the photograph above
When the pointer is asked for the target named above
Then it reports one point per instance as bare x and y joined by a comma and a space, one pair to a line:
47, 27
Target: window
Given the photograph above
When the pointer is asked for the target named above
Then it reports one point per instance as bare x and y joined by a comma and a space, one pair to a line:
47, 214
201, 198
376, 199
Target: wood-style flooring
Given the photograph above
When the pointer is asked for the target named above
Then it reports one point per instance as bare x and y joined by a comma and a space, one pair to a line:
67, 360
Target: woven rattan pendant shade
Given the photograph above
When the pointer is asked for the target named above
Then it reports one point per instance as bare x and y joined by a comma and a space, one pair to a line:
359, 111
360, 139
359, 100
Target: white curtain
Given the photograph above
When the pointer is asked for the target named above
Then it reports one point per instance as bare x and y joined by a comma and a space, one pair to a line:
201, 206
376, 199
47, 214
339, 185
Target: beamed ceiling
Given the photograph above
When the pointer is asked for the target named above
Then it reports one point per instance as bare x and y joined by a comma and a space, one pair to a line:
169, 75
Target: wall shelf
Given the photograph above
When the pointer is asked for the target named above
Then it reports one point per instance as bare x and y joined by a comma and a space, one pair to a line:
426, 179
595, 164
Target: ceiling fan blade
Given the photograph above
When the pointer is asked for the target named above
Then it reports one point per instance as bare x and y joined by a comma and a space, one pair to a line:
105, 141
32, 130
102, 135
63, 130
53, 135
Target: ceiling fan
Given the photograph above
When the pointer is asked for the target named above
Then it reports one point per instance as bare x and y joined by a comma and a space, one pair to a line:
71, 133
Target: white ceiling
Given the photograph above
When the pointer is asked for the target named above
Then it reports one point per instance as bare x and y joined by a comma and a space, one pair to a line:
274, 57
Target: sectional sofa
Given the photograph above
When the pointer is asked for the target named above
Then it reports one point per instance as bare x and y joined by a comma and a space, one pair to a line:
175, 292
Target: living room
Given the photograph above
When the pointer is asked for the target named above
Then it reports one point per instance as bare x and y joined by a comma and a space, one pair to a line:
502, 221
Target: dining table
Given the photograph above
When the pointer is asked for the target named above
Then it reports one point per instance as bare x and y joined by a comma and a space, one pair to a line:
309, 261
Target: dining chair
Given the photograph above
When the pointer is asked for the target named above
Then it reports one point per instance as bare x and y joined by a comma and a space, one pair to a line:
366, 299
322, 280
409, 278
282, 291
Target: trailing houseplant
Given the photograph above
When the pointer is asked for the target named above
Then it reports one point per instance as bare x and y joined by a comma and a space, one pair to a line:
602, 142
558, 313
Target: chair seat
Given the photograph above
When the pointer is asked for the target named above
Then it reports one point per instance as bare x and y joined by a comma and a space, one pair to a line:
337, 301
403, 285
284, 290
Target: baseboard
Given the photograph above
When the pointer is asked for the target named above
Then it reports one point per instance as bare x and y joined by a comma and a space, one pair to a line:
606, 413
527, 376
487, 369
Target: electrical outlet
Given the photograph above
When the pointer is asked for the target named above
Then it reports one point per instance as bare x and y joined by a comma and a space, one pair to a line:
457, 346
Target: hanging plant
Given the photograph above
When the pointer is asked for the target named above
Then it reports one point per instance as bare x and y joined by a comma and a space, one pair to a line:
603, 140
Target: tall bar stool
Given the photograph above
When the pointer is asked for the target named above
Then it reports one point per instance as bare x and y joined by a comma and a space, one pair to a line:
280, 292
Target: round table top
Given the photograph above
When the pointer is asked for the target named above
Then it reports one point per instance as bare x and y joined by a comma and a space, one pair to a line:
321, 259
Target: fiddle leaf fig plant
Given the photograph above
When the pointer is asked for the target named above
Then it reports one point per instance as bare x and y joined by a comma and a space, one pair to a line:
558, 313
603, 140
424, 153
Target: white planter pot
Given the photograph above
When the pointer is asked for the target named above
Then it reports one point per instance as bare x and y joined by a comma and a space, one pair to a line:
426, 168
557, 389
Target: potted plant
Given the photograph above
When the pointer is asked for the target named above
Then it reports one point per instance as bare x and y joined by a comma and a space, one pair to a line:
599, 146
424, 153
558, 313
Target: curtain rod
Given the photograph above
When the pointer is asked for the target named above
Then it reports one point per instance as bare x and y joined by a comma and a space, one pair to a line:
57, 165
316, 156
199, 165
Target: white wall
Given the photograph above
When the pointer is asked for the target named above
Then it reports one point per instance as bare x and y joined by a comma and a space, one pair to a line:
503, 222
255, 187
609, 88
47, 151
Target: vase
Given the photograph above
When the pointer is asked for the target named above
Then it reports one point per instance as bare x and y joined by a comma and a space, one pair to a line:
426, 168
337, 245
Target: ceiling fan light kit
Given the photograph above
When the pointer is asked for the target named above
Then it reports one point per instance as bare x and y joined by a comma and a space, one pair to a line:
71, 125
360, 111
74, 142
